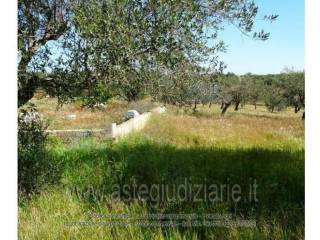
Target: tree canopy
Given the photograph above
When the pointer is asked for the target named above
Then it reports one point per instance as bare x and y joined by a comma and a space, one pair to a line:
118, 45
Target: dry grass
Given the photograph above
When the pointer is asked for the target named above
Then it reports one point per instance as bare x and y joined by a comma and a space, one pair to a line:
246, 128
85, 118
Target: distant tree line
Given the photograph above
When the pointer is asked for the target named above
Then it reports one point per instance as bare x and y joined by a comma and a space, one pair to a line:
191, 87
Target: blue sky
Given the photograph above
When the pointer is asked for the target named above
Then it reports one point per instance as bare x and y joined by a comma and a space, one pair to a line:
285, 46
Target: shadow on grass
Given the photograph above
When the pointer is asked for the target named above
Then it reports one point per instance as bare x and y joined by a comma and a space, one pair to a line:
99, 166
279, 176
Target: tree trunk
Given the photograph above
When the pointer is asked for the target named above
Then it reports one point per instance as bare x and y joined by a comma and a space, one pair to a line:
27, 82
210, 104
222, 105
26, 90
55, 28
255, 106
237, 106
303, 115
225, 108
195, 106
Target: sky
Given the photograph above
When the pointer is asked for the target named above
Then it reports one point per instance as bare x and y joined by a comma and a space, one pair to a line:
285, 46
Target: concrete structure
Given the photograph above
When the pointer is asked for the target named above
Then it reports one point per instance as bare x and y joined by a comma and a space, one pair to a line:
132, 114
112, 131
78, 133
133, 124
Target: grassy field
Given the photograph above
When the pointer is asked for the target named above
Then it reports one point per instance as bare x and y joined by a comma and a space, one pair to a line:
238, 148
246, 128
85, 118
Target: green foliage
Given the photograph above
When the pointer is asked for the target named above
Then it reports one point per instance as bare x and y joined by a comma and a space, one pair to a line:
38, 23
274, 98
92, 167
184, 87
99, 94
232, 90
32, 159
277, 91
254, 88
294, 89
36, 168
285, 89
120, 42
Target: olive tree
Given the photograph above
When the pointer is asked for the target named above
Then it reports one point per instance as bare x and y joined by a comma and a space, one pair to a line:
294, 90
119, 42
233, 89
39, 21
254, 88
185, 87
274, 93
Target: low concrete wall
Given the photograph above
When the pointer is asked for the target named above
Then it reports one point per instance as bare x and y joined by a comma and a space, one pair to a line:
78, 133
133, 124
112, 131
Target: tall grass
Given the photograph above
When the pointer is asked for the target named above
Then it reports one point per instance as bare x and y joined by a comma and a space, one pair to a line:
174, 147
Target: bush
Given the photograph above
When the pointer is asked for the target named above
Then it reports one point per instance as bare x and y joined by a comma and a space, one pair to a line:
100, 94
32, 155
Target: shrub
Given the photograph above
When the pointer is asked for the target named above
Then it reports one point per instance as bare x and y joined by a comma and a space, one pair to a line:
32, 155
100, 94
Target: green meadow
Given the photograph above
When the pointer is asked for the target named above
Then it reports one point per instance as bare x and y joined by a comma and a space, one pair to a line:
244, 148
